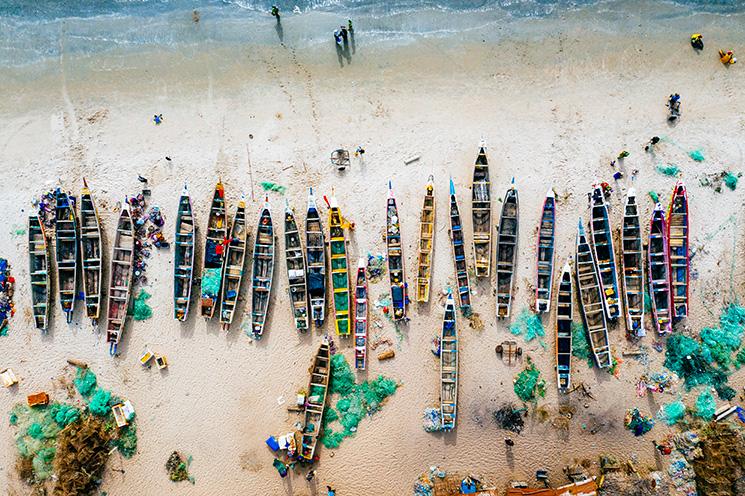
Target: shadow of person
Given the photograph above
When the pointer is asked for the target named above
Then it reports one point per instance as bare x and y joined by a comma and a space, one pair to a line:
347, 53
351, 39
280, 31
339, 54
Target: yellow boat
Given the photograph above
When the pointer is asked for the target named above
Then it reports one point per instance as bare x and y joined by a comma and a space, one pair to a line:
339, 268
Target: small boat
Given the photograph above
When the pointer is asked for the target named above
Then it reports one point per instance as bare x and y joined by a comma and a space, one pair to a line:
426, 244
395, 258
120, 286
38, 261
591, 299
632, 265
360, 317
295, 259
459, 253
339, 271
545, 263
677, 235
659, 271
263, 271
66, 249
449, 366
564, 331
315, 247
214, 252
90, 253
235, 261
481, 212
315, 402
507, 250
605, 256
183, 257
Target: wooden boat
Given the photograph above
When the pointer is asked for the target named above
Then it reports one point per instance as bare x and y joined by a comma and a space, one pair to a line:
605, 256
632, 266
66, 249
339, 271
395, 258
361, 309
677, 235
586, 487
295, 259
235, 261
38, 261
564, 309
90, 253
120, 286
659, 271
545, 263
426, 244
263, 271
507, 250
449, 367
591, 299
183, 257
214, 252
481, 212
315, 247
315, 402
459, 252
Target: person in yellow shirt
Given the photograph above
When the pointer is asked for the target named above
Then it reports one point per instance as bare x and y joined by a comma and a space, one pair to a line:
697, 41
727, 58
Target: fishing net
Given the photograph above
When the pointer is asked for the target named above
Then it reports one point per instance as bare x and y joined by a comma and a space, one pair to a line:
211, 282
706, 405
673, 412
668, 170
141, 310
178, 467
696, 155
654, 196
720, 468
638, 423
581, 344
528, 385
510, 418
529, 324
730, 180
270, 186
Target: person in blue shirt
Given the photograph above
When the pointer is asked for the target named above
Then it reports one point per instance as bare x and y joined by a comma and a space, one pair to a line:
330, 491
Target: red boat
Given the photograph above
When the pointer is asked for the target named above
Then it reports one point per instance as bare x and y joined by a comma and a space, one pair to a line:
659, 271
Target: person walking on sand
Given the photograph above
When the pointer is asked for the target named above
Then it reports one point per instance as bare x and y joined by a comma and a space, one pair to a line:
652, 142
344, 34
330, 491
309, 476
275, 12
509, 442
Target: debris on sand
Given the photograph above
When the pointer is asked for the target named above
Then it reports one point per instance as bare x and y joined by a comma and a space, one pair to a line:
529, 325
178, 468
432, 420
638, 423
718, 179
720, 470
673, 412
668, 170
7, 307
510, 418
528, 384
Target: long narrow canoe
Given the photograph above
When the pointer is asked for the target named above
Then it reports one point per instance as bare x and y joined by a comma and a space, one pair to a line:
426, 244
395, 257
38, 261
214, 252
120, 286
66, 249
507, 251
263, 271
235, 260
459, 253
564, 331
361, 309
295, 258
545, 263
183, 257
315, 403
605, 256
659, 271
677, 235
449, 366
339, 270
315, 245
632, 265
481, 212
90, 253
591, 299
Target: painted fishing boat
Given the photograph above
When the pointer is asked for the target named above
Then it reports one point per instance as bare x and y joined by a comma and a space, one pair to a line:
66, 249
315, 402
394, 249
459, 253
659, 271
295, 259
339, 270
361, 309
183, 257
449, 366
507, 250
481, 212
315, 248
426, 244
591, 299
120, 286
263, 271
235, 261
545, 263
677, 235
605, 256
38, 261
632, 266
214, 252
564, 331
90, 253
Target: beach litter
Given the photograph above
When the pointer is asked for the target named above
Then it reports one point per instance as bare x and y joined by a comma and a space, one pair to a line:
432, 420
672, 413
638, 423
668, 170
528, 324
656, 382
716, 181
178, 468
697, 155
510, 418
8, 378
270, 186
375, 267
7, 288
682, 475
706, 405
140, 309
528, 384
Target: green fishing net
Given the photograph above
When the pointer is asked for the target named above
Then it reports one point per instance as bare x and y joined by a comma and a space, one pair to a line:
706, 405
85, 382
126, 442
100, 403
581, 344
528, 323
730, 180
211, 281
696, 155
654, 196
270, 186
141, 310
528, 384
673, 412
668, 170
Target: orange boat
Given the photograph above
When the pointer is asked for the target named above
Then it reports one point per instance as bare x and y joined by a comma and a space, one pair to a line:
585, 488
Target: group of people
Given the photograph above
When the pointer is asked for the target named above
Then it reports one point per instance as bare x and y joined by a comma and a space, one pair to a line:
726, 57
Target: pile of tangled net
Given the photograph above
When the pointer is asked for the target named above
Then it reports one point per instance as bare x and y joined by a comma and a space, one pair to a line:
528, 384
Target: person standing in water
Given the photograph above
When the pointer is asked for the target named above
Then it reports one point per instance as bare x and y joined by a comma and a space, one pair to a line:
275, 12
